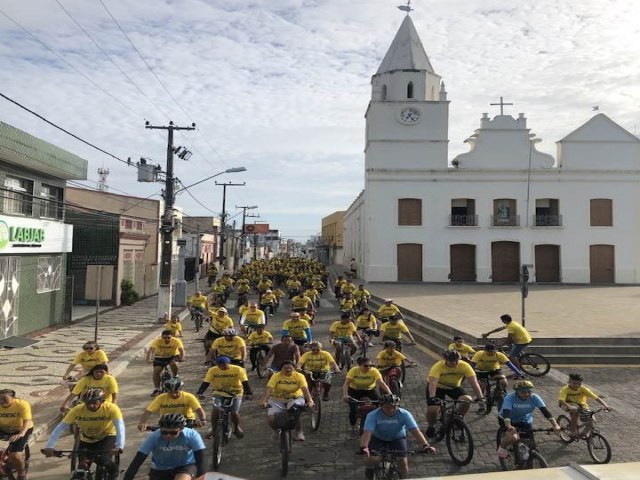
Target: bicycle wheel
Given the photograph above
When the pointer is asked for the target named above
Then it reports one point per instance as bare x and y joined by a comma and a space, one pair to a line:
599, 448
386, 471
348, 362
511, 462
565, 428
489, 395
316, 412
459, 442
198, 322
536, 460
218, 443
395, 386
285, 450
534, 364
261, 368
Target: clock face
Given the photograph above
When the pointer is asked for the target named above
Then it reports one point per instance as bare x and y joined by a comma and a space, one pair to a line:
409, 115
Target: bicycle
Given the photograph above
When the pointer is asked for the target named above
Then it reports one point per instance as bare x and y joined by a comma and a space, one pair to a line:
393, 377
261, 368
222, 430
387, 466
7, 470
494, 393
366, 405
531, 363
597, 445
198, 318
523, 455
343, 359
286, 421
96, 470
451, 426
316, 388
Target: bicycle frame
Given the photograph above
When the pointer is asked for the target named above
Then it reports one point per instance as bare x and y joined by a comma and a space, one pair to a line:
6, 467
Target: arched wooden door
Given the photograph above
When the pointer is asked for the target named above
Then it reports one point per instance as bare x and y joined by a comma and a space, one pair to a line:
547, 263
602, 263
410, 262
505, 261
462, 262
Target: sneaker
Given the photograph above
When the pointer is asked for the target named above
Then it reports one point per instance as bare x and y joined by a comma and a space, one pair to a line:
239, 432
299, 437
370, 344
368, 473
430, 432
503, 453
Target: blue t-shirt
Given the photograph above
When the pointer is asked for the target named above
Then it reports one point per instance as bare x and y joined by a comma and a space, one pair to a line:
388, 428
168, 453
521, 410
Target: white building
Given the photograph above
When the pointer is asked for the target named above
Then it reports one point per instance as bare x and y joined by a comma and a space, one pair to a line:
501, 205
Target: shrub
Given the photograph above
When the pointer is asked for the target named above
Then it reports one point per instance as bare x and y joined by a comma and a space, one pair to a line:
128, 296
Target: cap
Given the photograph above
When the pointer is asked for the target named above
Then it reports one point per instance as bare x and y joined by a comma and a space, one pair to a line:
223, 359
387, 300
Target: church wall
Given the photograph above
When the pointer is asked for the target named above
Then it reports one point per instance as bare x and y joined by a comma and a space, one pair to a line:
402, 155
599, 156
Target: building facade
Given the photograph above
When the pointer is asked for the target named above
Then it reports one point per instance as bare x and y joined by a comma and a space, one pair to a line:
503, 204
329, 248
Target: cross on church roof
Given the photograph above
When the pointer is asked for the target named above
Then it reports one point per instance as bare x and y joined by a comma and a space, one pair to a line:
406, 8
502, 104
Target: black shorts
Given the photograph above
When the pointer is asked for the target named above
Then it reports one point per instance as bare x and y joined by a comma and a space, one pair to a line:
441, 393
212, 336
106, 444
163, 361
489, 374
17, 446
300, 341
170, 474
398, 445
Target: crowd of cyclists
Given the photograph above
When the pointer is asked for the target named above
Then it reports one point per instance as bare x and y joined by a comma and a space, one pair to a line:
235, 347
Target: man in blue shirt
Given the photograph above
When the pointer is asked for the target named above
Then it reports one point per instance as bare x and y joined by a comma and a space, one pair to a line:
517, 415
177, 453
386, 429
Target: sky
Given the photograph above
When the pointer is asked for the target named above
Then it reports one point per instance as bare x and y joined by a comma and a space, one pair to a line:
281, 86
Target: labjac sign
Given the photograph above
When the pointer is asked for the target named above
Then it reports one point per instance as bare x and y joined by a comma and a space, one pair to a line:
20, 236
27, 235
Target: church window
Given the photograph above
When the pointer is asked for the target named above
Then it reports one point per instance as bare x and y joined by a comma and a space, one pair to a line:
463, 212
547, 213
504, 213
384, 92
410, 90
410, 212
601, 212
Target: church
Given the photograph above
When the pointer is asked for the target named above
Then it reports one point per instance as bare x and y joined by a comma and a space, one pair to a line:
483, 214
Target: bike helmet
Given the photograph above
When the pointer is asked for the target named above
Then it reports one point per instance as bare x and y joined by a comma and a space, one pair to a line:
173, 420
223, 359
313, 345
173, 384
523, 385
93, 395
389, 344
389, 399
490, 347
229, 331
223, 310
451, 355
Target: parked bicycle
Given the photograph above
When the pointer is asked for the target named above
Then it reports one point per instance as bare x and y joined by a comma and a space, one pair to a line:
597, 445
286, 421
524, 454
451, 427
7, 470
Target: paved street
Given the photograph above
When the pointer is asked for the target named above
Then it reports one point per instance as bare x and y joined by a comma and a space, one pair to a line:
329, 453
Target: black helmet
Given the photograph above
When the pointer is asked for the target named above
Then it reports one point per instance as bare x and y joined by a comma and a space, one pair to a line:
451, 355
173, 420
93, 395
389, 399
173, 384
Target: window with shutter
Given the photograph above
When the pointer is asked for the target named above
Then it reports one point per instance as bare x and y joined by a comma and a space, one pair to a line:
601, 212
410, 212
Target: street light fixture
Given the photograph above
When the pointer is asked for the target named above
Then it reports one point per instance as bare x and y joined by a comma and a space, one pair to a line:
228, 170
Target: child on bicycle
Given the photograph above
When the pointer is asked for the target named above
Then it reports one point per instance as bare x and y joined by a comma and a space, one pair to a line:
574, 399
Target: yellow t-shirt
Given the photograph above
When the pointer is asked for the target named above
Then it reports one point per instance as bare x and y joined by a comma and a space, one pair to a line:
451, 377
226, 381
256, 338
106, 383
94, 426
11, 417
166, 350
268, 299
342, 330
348, 304
463, 349
218, 324
363, 380
387, 310
384, 360
278, 293
296, 328
186, 404
255, 317
301, 302
519, 334
579, 396
287, 387
486, 362
174, 328
366, 321
90, 360
199, 301
390, 330
243, 288
294, 284
347, 288
360, 294
232, 348
317, 362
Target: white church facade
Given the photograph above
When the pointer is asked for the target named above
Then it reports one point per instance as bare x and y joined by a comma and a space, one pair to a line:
503, 204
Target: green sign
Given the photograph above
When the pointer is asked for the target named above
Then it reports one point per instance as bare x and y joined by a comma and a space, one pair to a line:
9, 234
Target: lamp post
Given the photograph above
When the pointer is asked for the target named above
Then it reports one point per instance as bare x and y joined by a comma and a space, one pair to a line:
244, 222
221, 256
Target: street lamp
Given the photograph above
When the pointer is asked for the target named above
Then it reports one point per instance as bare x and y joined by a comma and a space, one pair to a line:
228, 170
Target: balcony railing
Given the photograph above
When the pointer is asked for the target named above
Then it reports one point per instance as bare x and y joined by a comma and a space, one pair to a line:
547, 220
463, 220
508, 221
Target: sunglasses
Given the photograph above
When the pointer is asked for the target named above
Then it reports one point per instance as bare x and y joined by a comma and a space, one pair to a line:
88, 348
368, 365
171, 433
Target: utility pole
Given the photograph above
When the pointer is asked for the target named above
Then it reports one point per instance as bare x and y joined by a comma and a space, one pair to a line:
221, 257
167, 227
244, 223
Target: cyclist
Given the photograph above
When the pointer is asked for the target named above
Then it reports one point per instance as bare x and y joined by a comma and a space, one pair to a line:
220, 321
219, 294
348, 303
163, 351
367, 325
394, 329
318, 362
282, 352
293, 286
279, 294
177, 452
264, 284
226, 381
517, 414
228, 282
258, 340
16, 422
285, 388
101, 430
98, 377
347, 287
313, 294
337, 286
212, 272
318, 284
230, 345
175, 400
390, 357
386, 428
90, 356
362, 381
341, 333
267, 302
198, 303
466, 351
252, 317
518, 337
487, 365
445, 379
174, 326
362, 296
387, 309
298, 329
574, 399
301, 303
